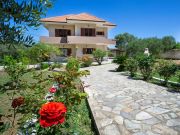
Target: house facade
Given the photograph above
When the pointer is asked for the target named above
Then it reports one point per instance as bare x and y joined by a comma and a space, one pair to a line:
77, 34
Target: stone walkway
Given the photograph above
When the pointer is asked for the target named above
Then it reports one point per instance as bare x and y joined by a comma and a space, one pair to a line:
122, 106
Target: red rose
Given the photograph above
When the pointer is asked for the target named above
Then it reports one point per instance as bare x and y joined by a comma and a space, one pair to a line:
52, 113
17, 102
52, 90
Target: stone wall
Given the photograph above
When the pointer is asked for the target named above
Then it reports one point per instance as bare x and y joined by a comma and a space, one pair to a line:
172, 54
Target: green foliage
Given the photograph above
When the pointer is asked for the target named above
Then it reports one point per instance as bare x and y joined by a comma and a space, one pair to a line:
80, 123
121, 61
177, 46
168, 42
55, 65
99, 55
178, 75
44, 65
86, 61
40, 52
122, 40
13, 14
15, 68
110, 54
146, 64
70, 92
73, 65
166, 69
135, 46
132, 66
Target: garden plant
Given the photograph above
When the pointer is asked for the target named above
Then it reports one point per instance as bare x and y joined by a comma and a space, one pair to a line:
132, 66
121, 61
34, 109
99, 55
166, 69
86, 61
146, 65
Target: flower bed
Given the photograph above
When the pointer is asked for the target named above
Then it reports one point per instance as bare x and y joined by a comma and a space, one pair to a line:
59, 110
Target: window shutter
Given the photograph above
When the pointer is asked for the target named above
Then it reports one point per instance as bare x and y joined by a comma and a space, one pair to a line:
93, 32
56, 33
82, 32
84, 50
69, 51
69, 33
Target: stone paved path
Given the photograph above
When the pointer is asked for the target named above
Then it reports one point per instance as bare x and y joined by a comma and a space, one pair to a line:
123, 106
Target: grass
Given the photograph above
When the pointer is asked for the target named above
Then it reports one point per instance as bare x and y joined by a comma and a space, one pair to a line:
173, 78
171, 86
80, 122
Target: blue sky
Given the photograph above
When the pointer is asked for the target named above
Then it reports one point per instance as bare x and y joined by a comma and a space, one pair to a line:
143, 18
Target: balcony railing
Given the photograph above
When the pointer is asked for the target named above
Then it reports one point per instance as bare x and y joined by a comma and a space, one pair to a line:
78, 40
53, 40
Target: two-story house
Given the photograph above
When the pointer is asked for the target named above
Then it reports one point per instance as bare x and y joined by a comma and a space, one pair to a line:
77, 34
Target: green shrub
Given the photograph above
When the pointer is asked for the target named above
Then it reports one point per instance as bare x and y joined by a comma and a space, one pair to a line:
178, 75
55, 65
110, 54
166, 69
15, 68
146, 64
44, 65
177, 46
73, 64
99, 55
86, 61
132, 66
40, 52
121, 61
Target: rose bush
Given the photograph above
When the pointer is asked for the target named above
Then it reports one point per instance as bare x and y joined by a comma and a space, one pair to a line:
42, 110
52, 90
17, 102
52, 113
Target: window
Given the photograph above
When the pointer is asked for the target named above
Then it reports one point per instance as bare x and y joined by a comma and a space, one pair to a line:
87, 32
62, 32
101, 33
88, 50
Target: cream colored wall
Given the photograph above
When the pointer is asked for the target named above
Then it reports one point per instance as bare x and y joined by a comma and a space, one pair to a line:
51, 28
75, 29
77, 50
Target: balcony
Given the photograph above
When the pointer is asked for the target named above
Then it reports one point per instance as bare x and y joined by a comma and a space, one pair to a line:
77, 40
53, 40
89, 40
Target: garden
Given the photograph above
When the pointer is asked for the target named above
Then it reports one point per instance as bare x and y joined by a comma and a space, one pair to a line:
35, 98
42, 101
151, 66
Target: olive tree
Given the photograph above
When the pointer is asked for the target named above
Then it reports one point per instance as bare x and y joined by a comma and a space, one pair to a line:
17, 17
99, 55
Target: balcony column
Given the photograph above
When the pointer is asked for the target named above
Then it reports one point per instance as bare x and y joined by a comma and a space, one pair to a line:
77, 30
78, 51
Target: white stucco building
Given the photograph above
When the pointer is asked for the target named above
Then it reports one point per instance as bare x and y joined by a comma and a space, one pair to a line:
77, 34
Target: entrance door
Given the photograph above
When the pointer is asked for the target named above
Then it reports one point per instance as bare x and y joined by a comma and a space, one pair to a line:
66, 52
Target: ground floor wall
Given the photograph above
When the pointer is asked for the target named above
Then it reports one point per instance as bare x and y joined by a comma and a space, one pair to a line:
78, 50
